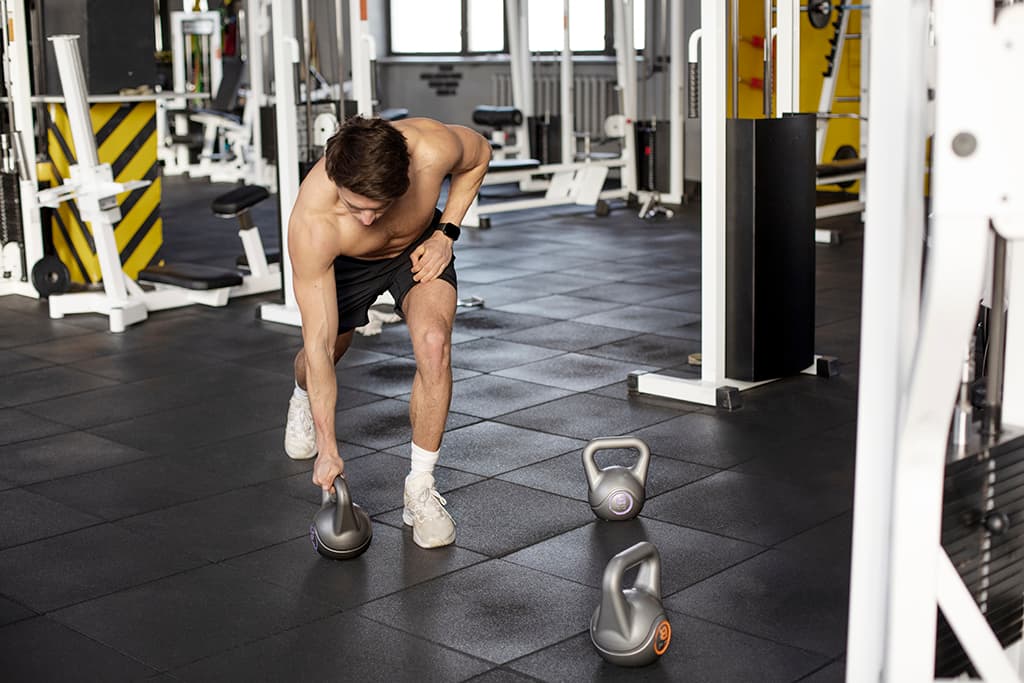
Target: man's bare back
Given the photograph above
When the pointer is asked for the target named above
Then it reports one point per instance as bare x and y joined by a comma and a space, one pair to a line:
331, 213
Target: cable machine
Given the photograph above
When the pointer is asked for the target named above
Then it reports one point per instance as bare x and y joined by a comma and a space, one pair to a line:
21, 238
914, 333
708, 100
570, 181
287, 54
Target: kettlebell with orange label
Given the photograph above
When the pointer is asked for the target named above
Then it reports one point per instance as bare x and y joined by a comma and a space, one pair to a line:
629, 627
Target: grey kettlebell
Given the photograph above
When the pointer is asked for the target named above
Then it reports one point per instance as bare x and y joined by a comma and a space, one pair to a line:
629, 627
341, 529
616, 492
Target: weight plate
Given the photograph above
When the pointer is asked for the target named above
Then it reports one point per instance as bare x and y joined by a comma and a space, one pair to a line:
50, 276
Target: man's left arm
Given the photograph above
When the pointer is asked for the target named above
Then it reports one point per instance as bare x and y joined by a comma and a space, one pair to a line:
469, 154
467, 175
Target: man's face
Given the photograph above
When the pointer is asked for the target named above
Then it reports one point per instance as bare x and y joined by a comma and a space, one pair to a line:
365, 210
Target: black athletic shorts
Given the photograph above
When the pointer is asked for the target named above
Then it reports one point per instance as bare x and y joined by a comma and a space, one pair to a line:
361, 281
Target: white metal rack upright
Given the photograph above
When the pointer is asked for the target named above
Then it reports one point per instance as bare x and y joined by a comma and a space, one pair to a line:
913, 334
31, 248
713, 78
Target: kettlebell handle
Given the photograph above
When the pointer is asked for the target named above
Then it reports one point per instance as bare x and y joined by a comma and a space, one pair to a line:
328, 496
648, 580
343, 516
639, 469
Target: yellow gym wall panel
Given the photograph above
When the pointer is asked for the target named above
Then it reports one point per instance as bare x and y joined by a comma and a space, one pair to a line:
814, 51
126, 139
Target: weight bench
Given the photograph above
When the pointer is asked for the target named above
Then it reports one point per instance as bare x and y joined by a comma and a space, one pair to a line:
497, 119
506, 165
184, 283
841, 172
578, 182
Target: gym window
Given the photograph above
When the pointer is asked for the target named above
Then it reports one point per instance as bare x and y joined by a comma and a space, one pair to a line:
484, 22
431, 27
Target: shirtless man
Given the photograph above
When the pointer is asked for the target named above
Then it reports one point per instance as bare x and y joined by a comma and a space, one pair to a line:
366, 222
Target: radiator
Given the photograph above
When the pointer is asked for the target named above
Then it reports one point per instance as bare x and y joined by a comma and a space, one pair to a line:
594, 99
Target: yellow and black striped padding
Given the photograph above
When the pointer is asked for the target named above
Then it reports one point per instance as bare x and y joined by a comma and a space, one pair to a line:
125, 139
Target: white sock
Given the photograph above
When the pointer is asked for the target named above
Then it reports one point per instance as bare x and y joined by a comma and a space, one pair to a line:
423, 461
299, 391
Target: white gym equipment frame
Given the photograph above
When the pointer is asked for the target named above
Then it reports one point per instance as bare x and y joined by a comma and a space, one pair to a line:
92, 186
913, 333
569, 182
288, 53
677, 119
245, 137
184, 24
15, 281
713, 384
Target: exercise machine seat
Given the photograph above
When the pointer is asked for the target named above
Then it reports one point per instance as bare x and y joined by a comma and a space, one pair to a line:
191, 276
273, 256
497, 117
236, 201
499, 165
225, 101
838, 167
394, 113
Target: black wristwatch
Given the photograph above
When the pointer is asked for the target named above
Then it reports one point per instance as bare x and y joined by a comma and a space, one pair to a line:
450, 230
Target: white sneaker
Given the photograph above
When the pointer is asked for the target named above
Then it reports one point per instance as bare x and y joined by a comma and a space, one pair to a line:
424, 511
299, 434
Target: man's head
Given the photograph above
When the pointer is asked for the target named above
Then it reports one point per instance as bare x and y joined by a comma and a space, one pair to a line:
368, 158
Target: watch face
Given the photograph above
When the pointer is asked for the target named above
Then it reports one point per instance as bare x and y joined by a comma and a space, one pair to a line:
451, 231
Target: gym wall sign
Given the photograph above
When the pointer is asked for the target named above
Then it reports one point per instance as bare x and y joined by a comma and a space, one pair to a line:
444, 81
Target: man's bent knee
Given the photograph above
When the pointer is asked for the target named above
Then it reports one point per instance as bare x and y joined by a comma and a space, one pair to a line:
433, 348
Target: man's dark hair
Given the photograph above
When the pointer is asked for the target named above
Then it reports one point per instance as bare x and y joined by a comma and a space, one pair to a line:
368, 157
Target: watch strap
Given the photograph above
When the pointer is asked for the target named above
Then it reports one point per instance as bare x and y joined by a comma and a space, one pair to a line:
450, 230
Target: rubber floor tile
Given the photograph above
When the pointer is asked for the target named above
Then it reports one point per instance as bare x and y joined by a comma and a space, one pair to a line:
27, 462
490, 448
230, 524
565, 476
85, 564
586, 416
362, 650
687, 556
775, 596
495, 611
29, 516
43, 650
743, 506
173, 621
392, 563
496, 518
489, 354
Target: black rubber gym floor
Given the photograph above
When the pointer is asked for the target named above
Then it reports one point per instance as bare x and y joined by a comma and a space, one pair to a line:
152, 526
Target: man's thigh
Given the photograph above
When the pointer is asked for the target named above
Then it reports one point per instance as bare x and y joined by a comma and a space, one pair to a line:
429, 305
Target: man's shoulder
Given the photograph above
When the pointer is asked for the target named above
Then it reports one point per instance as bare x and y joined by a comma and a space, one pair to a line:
430, 140
419, 123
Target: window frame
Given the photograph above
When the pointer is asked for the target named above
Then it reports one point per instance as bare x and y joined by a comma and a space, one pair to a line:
464, 52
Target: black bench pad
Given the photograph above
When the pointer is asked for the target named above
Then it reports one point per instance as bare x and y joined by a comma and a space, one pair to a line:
273, 256
496, 117
191, 276
842, 167
238, 200
498, 165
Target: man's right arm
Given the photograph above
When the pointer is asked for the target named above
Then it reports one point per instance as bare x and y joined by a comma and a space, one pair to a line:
315, 293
